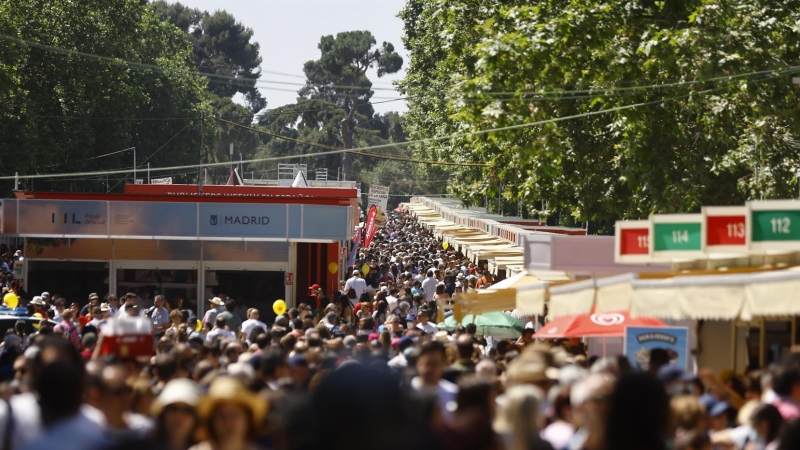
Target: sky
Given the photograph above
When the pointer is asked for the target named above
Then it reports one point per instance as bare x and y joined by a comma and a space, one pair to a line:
289, 31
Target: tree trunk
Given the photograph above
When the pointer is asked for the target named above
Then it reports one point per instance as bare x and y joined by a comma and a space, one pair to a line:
347, 138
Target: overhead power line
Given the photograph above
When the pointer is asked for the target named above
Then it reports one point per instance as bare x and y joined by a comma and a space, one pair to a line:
383, 146
555, 92
141, 65
341, 150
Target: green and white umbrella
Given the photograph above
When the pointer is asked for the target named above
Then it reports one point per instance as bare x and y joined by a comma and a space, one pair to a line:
495, 324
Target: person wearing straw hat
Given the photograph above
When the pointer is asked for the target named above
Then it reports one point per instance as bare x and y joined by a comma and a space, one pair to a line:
216, 308
175, 412
231, 416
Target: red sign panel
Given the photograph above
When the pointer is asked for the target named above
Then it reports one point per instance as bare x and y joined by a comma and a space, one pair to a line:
725, 230
288, 279
634, 241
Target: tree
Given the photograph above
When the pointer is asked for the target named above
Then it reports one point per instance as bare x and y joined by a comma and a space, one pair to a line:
698, 139
63, 109
339, 77
439, 36
221, 47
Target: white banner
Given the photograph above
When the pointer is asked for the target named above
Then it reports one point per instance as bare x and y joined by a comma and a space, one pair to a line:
167, 180
378, 196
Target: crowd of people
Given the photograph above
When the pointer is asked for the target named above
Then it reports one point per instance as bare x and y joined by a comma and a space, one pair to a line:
364, 367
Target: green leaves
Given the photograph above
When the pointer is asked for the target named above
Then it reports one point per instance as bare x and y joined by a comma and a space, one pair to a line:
131, 85
520, 64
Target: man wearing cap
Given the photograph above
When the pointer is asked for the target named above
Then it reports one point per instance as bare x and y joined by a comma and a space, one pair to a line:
38, 306
46, 298
357, 283
216, 307
94, 300
314, 294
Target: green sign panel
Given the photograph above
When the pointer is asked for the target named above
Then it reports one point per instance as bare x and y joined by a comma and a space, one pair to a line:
677, 236
775, 226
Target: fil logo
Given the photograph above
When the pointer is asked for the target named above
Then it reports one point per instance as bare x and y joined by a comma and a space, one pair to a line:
214, 220
64, 218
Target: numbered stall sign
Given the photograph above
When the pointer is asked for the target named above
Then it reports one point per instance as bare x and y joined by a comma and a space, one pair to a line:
676, 236
632, 241
773, 225
725, 229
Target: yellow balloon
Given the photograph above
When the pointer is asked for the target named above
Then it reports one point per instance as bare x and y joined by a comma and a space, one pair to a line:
333, 267
11, 300
279, 307
365, 269
445, 245
38, 316
199, 326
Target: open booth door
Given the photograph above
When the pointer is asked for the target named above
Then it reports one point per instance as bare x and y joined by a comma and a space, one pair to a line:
253, 284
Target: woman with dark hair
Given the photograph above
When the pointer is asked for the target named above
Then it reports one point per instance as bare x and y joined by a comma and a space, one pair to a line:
766, 422
380, 314
638, 414
363, 308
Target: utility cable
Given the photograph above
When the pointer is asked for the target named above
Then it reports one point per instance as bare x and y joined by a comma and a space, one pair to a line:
90, 158
341, 150
490, 93
382, 146
141, 65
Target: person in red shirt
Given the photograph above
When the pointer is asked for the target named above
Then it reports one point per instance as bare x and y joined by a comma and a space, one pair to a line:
314, 294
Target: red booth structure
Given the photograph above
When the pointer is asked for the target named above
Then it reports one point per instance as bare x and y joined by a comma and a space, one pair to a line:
260, 243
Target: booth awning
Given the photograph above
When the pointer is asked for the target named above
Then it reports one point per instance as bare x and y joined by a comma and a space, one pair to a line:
698, 297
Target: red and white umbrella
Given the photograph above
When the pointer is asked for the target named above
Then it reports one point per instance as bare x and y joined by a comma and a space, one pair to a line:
594, 325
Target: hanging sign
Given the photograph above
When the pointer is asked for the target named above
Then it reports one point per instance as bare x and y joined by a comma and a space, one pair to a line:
674, 236
639, 341
378, 196
725, 229
773, 225
167, 180
632, 241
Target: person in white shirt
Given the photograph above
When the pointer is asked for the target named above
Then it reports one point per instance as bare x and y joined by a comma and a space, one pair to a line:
58, 316
423, 324
252, 323
429, 286
430, 366
219, 330
357, 283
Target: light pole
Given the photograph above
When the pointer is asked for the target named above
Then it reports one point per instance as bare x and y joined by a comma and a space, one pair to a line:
796, 80
134, 164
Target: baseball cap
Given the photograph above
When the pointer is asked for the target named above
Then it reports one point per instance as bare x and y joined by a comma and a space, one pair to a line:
93, 296
45, 294
314, 286
297, 360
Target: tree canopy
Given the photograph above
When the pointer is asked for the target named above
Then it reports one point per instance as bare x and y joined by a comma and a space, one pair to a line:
716, 123
102, 76
221, 46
